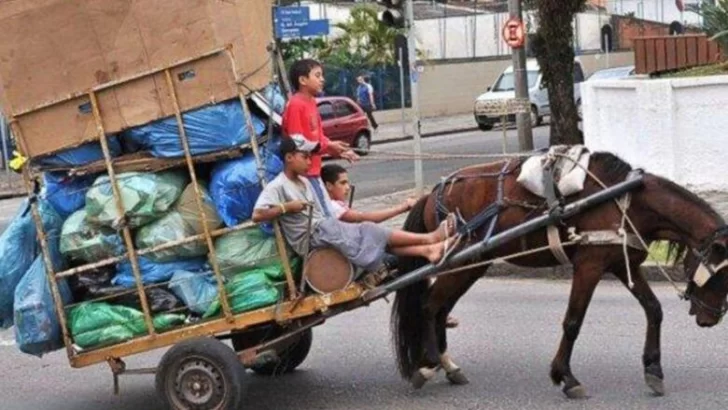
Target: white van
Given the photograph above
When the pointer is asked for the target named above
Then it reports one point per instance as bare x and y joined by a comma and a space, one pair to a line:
504, 88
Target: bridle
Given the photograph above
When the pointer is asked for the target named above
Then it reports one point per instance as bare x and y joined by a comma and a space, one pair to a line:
706, 271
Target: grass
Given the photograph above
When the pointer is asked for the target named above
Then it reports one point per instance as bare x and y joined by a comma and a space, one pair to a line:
706, 70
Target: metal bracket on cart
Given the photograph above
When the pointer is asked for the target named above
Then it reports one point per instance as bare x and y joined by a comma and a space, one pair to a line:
118, 368
266, 352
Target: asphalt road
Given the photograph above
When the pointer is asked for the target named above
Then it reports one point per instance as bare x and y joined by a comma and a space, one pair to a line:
378, 174
508, 335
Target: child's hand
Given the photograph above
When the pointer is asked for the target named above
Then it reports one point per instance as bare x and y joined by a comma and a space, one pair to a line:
339, 147
350, 156
295, 207
409, 203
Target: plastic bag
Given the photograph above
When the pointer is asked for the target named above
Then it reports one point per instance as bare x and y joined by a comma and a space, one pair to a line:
187, 207
37, 330
67, 195
246, 249
18, 250
146, 197
95, 324
247, 291
235, 186
153, 272
196, 290
85, 242
275, 98
171, 227
81, 155
91, 286
212, 128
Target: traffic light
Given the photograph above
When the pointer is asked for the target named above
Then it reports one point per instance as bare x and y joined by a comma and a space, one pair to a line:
394, 15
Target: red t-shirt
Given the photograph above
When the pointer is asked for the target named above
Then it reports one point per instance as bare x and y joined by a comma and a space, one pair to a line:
301, 116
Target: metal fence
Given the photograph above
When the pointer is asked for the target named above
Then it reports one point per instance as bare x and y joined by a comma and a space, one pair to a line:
385, 81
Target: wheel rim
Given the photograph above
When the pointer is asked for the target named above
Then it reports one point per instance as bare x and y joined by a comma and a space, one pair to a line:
362, 143
197, 384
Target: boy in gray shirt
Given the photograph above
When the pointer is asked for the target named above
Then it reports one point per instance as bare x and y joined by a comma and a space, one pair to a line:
288, 196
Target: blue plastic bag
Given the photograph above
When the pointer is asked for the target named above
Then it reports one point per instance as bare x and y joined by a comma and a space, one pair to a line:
37, 330
196, 290
154, 272
81, 155
66, 194
18, 250
235, 187
212, 128
275, 98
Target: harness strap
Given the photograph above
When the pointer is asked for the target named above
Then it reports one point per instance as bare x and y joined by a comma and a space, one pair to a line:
552, 233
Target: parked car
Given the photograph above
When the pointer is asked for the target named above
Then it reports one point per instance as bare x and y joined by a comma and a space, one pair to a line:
504, 88
608, 74
344, 120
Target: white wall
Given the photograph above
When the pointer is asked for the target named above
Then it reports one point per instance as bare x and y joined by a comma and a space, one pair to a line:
655, 10
674, 128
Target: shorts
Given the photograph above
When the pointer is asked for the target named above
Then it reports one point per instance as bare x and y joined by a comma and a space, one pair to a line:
363, 244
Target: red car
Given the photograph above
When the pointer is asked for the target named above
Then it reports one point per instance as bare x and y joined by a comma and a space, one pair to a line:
344, 120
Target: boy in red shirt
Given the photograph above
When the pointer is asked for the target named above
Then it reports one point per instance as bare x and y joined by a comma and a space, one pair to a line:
301, 117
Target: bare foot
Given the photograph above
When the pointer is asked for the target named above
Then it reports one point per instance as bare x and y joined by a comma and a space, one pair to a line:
435, 252
446, 229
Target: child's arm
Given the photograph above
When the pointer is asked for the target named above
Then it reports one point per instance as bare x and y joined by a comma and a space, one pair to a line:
271, 212
377, 216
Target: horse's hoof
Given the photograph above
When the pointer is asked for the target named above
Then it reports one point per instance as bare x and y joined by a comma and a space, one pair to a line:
655, 384
576, 392
421, 377
457, 377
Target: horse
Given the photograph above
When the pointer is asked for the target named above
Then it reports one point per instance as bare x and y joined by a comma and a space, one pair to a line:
659, 210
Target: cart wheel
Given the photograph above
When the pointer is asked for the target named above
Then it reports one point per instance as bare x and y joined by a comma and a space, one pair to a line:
201, 373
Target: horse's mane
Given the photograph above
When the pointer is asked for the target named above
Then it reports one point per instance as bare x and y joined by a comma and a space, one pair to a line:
612, 168
615, 169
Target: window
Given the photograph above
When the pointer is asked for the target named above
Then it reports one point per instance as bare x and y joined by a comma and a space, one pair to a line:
326, 110
344, 109
507, 81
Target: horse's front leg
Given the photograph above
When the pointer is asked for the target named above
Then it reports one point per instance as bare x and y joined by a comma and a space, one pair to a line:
587, 274
653, 310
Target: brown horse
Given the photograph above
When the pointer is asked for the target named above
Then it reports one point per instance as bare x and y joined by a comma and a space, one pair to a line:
659, 209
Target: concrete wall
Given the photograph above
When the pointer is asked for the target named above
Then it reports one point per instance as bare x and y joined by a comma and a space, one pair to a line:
674, 128
451, 87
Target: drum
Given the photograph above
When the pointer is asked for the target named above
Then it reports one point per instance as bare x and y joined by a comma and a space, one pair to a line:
327, 270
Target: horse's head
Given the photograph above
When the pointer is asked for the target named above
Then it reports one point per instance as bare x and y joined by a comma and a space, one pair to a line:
707, 269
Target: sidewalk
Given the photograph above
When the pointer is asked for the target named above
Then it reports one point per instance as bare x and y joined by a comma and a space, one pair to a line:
392, 132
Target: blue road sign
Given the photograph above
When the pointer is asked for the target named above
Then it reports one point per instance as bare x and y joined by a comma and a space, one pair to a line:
294, 22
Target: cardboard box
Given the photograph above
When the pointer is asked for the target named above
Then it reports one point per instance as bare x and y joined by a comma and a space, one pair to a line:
52, 52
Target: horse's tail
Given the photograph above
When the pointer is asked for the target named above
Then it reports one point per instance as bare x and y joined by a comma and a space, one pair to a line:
408, 319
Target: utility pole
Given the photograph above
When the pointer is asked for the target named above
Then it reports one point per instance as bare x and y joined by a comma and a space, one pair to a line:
400, 14
523, 120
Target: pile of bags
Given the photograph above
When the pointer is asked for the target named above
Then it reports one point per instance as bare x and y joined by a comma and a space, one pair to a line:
82, 225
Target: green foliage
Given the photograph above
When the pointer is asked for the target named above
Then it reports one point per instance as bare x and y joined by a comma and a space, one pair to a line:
715, 21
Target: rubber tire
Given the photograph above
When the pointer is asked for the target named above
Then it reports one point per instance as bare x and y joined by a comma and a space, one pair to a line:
368, 141
579, 114
214, 352
485, 127
291, 357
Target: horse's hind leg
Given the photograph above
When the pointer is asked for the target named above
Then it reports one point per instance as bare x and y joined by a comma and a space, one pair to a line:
651, 305
587, 273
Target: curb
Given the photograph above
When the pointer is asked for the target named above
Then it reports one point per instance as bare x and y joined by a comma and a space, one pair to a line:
426, 135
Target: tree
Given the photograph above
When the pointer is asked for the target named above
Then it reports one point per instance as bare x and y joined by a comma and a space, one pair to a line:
553, 45
715, 22
363, 35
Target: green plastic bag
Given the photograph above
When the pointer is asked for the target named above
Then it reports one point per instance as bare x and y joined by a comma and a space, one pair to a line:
187, 207
248, 249
85, 242
171, 227
146, 197
247, 291
94, 324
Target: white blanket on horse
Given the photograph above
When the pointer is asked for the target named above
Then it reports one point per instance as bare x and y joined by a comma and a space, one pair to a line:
563, 159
